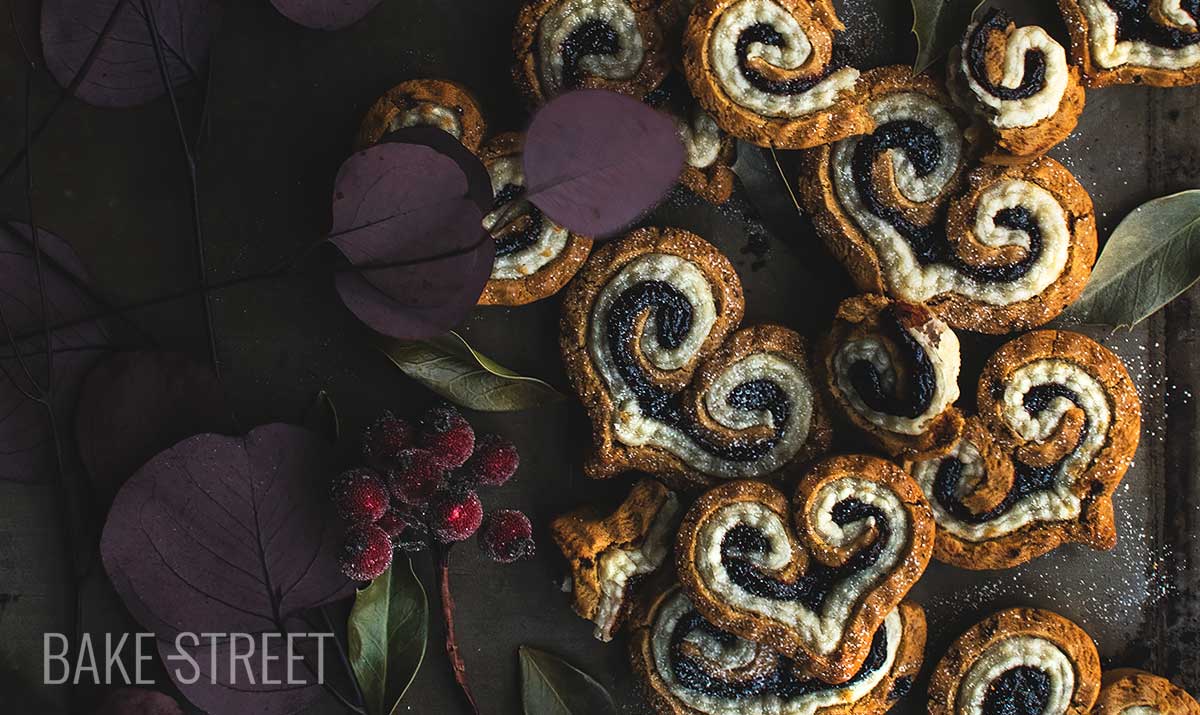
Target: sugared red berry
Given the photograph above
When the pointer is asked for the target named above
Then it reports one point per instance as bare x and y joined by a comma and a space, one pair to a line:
446, 433
455, 515
387, 438
366, 552
507, 536
415, 477
360, 496
400, 526
494, 462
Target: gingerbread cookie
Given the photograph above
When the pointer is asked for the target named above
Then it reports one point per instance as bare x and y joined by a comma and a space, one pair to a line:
1017, 81
710, 152
426, 103
1154, 42
650, 341
988, 248
1126, 691
765, 70
599, 44
1058, 426
891, 371
535, 257
812, 578
1022, 661
688, 666
608, 553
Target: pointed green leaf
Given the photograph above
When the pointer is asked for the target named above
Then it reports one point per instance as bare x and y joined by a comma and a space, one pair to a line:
449, 366
1152, 257
387, 630
551, 686
939, 25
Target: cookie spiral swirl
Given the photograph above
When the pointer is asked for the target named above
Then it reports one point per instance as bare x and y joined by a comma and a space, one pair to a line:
690, 667
892, 370
989, 248
1154, 42
535, 257
1018, 81
647, 340
599, 44
1058, 427
1017, 662
864, 534
1127, 691
437, 103
765, 69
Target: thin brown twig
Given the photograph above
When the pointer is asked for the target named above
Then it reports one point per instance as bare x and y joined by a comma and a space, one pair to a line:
453, 652
786, 184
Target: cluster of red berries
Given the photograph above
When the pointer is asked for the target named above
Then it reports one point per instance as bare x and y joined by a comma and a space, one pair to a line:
419, 483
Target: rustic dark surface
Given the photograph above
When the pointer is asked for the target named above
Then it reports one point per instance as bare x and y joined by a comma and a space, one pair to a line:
284, 106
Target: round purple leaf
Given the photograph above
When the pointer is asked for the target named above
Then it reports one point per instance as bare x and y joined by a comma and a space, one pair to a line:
138, 701
25, 436
110, 41
228, 534
325, 14
408, 217
596, 160
134, 405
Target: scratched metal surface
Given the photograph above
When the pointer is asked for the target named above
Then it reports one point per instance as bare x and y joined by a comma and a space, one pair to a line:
285, 105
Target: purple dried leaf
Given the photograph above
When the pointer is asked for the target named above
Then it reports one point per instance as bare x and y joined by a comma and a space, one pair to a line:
325, 14
116, 52
134, 405
227, 534
413, 210
596, 160
139, 701
25, 437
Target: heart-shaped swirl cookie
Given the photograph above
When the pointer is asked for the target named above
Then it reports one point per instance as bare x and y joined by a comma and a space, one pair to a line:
596, 44
891, 370
438, 103
535, 257
690, 667
1127, 691
1058, 425
646, 339
1023, 661
765, 70
1154, 42
813, 578
1018, 81
988, 248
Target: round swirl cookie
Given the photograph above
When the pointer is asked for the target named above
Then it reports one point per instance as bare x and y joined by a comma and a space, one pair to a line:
710, 152
988, 248
1022, 661
1155, 42
425, 103
1018, 82
813, 579
1059, 419
535, 257
609, 553
765, 70
687, 666
891, 371
1126, 691
562, 45
650, 341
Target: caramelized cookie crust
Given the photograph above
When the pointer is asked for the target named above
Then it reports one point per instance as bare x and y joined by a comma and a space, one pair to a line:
437, 103
1127, 691
1156, 42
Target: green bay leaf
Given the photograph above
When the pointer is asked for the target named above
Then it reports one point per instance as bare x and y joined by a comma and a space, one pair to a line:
551, 686
939, 25
1151, 258
449, 366
387, 632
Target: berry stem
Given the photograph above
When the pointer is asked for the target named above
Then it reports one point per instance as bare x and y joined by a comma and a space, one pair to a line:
452, 649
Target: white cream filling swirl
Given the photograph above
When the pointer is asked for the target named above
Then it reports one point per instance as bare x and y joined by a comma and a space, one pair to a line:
1009, 113
551, 240
565, 18
1110, 52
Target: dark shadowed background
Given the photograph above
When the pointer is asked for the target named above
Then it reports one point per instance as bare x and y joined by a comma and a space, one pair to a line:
285, 103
